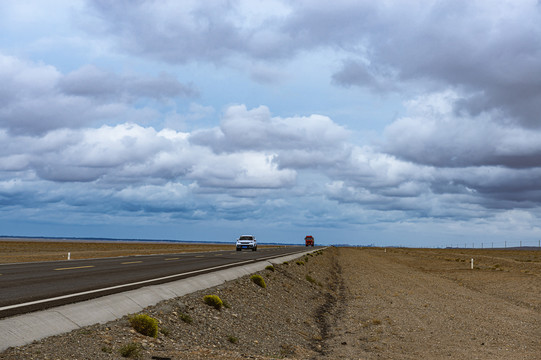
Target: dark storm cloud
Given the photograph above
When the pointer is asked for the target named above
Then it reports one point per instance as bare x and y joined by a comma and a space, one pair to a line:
435, 135
491, 52
174, 32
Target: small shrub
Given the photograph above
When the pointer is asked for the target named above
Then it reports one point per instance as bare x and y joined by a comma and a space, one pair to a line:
300, 262
213, 300
144, 324
186, 318
269, 267
107, 349
310, 279
232, 339
226, 304
131, 350
286, 263
258, 280
165, 331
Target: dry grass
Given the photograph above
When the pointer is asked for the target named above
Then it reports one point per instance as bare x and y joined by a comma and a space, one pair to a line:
26, 250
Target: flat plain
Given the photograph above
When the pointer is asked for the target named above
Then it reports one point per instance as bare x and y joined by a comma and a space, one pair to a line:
28, 250
347, 303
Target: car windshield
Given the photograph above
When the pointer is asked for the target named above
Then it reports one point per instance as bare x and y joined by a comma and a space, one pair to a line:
246, 238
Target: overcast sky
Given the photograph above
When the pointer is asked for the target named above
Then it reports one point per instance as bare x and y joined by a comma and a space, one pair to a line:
411, 123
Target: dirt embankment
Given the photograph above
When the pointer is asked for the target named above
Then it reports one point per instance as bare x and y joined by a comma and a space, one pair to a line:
345, 304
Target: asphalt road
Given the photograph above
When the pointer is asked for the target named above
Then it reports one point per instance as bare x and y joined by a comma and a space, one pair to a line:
26, 287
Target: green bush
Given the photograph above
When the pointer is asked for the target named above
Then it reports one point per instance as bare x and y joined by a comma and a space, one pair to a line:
186, 318
269, 267
300, 262
144, 324
258, 280
131, 350
213, 300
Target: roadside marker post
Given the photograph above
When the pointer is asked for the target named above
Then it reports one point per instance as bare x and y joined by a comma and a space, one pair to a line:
69, 256
472, 263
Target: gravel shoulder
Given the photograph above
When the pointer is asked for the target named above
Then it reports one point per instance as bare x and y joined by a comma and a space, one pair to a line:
347, 303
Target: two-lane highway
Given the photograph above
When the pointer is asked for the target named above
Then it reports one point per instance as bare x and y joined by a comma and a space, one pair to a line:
27, 287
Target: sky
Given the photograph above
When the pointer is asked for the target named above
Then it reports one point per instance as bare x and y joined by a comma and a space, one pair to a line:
387, 123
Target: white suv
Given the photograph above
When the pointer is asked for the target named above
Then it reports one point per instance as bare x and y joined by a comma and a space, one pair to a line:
246, 242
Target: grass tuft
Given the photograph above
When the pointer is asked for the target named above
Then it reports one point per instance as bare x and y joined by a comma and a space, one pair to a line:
232, 339
269, 267
258, 280
131, 350
144, 324
213, 300
186, 318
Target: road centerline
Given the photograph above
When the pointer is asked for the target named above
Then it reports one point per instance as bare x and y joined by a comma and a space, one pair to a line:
130, 262
124, 285
74, 267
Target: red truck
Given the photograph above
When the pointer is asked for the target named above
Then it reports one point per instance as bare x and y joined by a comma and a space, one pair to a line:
309, 240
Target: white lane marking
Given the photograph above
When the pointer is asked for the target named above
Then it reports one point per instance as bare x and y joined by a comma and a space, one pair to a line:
116, 287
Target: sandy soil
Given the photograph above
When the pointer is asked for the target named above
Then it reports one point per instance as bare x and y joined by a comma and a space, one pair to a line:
348, 303
429, 304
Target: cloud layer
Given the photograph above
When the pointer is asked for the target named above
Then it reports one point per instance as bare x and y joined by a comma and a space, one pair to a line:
137, 133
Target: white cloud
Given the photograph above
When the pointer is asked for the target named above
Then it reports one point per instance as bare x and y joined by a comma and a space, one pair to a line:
242, 129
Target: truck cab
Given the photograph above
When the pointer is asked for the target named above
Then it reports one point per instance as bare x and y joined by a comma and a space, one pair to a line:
309, 240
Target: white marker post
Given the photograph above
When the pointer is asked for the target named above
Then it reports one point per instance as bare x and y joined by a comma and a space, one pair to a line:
69, 255
472, 263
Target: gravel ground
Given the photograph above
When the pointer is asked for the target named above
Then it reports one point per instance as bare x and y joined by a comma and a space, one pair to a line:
347, 303
282, 320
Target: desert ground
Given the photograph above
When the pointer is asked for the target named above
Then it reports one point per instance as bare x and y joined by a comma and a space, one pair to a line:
342, 303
